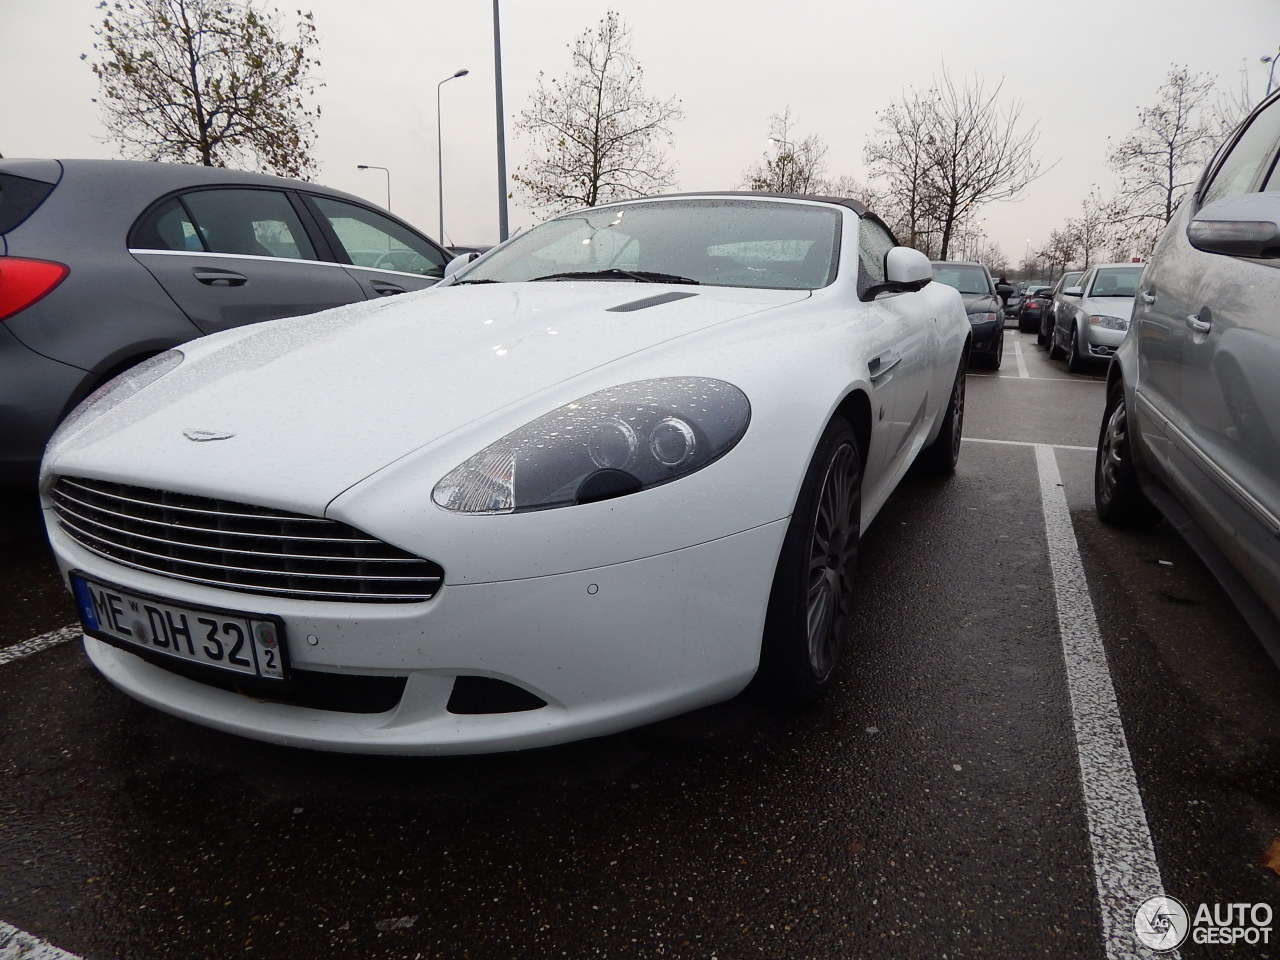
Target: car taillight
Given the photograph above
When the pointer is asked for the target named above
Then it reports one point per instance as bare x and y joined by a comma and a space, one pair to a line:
23, 282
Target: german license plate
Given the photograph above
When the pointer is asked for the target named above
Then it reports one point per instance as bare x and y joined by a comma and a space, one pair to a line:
243, 643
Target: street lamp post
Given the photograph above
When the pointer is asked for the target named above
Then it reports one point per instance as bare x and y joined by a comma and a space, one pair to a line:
790, 154
1271, 59
371, 166
440, 147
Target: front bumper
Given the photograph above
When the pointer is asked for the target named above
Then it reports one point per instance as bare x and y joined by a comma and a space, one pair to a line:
986, 336
606, 649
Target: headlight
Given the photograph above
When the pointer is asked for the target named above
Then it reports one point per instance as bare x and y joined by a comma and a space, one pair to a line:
608, 444
114, 392
1110, 323
982, 317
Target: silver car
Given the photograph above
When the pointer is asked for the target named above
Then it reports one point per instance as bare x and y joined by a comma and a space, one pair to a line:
1191, 428
1090, 319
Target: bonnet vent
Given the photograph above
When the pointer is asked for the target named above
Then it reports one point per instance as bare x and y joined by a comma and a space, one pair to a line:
647, 302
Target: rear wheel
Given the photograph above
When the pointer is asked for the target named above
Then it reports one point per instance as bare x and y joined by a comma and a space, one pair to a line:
941, 455
812, 597
1117, 495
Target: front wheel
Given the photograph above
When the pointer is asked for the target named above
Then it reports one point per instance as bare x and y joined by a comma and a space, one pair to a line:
1117, 495
811, 602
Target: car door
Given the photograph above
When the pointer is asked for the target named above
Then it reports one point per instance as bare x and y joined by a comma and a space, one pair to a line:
381, 254
1227, 418
235, 255
903, 371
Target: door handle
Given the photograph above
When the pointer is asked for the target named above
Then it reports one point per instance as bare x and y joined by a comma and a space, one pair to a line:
881, 365
1197, 325
384, 289
219, 278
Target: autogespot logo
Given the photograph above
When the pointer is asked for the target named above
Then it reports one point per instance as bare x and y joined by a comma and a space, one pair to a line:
1161, 923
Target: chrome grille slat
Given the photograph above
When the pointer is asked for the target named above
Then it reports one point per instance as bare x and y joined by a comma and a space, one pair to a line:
214, 530
66, 512
173, 506
239, 546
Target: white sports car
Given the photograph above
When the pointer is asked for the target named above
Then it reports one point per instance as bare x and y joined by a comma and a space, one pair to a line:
612, 471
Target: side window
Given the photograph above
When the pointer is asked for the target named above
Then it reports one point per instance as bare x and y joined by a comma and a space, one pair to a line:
1249, 159
255, 223
874, 244
372, 240
166, 227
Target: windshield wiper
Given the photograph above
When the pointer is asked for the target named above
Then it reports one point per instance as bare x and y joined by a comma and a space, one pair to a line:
613, 273
458, 283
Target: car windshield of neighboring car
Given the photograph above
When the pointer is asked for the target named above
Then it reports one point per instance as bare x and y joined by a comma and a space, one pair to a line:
717, 242
1116, 282
1069, 280
968, 280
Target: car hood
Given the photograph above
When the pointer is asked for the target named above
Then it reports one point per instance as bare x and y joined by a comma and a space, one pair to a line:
298, 410
979, 303
1121, 307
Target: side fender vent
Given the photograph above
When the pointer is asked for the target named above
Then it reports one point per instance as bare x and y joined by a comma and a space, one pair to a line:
647, 302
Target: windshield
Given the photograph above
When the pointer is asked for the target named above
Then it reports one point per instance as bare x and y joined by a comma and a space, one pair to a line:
966, 278
1116, 282
718, 242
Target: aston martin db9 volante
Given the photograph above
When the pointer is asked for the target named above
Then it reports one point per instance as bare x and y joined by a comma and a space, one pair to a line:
611, 471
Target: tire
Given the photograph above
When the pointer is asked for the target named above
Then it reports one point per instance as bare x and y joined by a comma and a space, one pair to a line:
1042, 332
993, 362
811, 601
1075, 360
1055, 351
940, 457
1117, 495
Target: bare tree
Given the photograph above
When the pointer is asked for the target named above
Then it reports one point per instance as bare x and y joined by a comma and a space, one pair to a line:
1161, 158
793, 166
949, 150
207, 81
595, 135
1093, 229
899, 157
1060, 252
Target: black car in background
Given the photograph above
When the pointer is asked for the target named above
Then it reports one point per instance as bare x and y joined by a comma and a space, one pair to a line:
1034, 301
104, 263
981, 302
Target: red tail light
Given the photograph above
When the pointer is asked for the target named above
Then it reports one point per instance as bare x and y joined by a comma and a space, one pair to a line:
23, 282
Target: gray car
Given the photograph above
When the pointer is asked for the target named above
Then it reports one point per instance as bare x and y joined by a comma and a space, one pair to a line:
1191, 428
104, 263
1091, 318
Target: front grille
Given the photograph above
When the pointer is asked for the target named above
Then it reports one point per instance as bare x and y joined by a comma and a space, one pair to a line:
241, 547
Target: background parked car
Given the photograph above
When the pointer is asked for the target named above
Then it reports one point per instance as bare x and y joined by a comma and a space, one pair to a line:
1034, 300
1056, 298
1094, 315
1196, 437
104, 263
982, 304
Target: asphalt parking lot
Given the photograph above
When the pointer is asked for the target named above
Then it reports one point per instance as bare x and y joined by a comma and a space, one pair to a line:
1041, 722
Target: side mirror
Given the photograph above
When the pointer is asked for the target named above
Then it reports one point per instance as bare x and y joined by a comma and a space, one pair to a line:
1246, 225
907, 268
458, 262
1073, 291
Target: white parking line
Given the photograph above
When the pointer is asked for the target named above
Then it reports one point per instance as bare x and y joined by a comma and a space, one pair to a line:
1029, 443
1017, 355
16, 945
1124, 861
35, 645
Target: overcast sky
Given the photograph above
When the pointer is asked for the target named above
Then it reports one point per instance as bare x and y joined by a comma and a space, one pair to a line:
1080, 71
